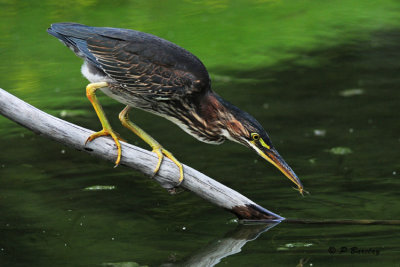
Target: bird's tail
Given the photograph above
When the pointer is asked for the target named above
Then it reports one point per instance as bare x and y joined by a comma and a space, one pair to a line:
74, 36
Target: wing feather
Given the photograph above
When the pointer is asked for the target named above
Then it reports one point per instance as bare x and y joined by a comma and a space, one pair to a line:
137, 65
137, 61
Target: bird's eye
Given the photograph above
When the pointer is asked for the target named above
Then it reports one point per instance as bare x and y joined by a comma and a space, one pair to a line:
255, 136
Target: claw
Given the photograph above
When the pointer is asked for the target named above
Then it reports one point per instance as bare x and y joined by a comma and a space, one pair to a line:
114, 136
119, 137
160, 155
161, 152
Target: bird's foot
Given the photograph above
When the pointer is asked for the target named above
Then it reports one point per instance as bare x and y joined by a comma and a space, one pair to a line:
161, 152
114, 136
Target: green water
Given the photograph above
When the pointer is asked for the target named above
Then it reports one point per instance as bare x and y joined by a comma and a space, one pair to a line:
321, 76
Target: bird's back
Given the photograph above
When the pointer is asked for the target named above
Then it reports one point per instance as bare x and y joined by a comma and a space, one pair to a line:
135, 59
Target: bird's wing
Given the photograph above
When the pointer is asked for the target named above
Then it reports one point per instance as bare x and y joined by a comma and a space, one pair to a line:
139, 61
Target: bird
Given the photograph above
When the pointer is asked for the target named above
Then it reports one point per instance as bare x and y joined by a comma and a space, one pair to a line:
143, 71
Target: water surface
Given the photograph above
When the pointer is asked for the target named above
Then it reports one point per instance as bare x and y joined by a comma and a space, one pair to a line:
322, 78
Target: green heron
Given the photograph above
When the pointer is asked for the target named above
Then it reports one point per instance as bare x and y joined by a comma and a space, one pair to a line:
144, 71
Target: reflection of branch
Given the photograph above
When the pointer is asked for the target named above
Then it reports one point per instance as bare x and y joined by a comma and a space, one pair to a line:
231, 244
214, 252
134, 157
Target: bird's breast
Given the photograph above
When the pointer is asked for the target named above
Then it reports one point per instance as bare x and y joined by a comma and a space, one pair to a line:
200, 134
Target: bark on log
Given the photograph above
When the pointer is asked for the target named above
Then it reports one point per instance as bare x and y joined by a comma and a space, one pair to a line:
134, 157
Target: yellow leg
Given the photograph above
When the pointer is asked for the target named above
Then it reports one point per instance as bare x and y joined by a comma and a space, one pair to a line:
107, 130
157, 148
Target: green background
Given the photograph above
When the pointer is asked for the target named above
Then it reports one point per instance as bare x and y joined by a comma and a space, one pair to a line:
317, 75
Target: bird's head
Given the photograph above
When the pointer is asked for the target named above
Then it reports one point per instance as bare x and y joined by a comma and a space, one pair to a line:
241, 127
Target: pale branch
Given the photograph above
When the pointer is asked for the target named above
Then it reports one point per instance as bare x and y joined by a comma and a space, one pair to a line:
134, 157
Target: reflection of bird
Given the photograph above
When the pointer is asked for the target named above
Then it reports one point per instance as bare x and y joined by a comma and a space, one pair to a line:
143, 71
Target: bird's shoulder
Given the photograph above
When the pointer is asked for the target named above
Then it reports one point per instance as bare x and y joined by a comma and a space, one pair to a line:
136, 59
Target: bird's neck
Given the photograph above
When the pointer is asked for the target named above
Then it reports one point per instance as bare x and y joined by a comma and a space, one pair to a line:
212, 120
220, 114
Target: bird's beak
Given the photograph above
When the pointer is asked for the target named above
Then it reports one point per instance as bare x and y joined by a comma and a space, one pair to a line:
272, 156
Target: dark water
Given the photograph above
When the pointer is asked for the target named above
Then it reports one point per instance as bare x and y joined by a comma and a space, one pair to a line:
322, 78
